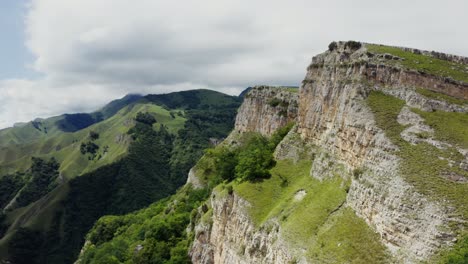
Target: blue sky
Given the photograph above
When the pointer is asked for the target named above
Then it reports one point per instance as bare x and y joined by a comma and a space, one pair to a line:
15, 57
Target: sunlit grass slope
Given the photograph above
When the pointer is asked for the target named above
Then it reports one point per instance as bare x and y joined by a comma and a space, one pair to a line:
65, 147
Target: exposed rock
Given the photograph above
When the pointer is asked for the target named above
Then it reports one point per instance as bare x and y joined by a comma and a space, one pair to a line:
333, 117
413, 99
416, 131
299, 195
194, 180
266, 109
138, 248
233, 238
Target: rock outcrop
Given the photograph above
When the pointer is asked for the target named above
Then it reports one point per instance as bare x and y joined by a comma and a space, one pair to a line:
233, 238
332, 115
330, 112
266, 109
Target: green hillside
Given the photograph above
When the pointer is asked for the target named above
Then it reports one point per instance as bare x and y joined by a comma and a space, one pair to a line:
46, 128
112, 140
131, 159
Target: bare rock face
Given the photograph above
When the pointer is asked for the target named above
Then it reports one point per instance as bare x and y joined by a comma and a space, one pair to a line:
233, 238
194, 180
266, 109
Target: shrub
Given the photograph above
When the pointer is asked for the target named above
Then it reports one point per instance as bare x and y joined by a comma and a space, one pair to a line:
230, 190
357, 173
145, 118
93, 135
88, 147
225, 161
283, 113
284, 104
255, 160
353, 45
332, 46
274, 102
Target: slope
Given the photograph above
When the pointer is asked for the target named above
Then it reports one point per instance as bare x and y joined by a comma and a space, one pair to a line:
45, 128
153, 168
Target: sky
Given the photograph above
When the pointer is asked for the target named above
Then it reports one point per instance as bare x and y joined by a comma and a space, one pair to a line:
69, 56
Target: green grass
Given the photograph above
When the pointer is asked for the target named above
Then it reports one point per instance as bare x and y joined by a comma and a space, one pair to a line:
441, 97
161, 228
347, 238
311, 222
449, 126
268, 197
424, 165
66, 146
430, 65
457, 255
290, 89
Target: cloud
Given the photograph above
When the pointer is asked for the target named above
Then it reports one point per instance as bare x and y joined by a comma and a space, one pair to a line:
92, 51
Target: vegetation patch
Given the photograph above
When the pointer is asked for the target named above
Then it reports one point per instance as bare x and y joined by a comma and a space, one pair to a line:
274, 102
424, 165
266, 195
251, 161
9, 187
427, 64
318, 222
451, 127
457, 255
40, 181
291, 89
346, 238
440, 96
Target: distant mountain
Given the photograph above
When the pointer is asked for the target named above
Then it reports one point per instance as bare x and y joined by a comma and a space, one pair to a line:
44, 128
59, 175
244, 92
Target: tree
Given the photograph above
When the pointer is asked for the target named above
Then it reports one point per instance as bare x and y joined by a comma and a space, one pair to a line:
255, 160
225, 161
43, 175
145, 118
93, 135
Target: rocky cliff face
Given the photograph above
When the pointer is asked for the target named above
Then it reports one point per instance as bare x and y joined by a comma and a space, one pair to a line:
231, 237
332, 114
266, 108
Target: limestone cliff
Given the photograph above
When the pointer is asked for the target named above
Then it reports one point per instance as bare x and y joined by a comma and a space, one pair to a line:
266, 108
342, 130
332, 114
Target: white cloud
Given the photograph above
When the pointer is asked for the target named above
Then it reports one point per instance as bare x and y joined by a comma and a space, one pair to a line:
92, 51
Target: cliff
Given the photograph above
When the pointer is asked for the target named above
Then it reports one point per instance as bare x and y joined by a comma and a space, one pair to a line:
380, 146
266, 108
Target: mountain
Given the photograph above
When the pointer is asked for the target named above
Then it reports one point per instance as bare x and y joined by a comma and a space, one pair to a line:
365, 163
55, 185
44, 128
